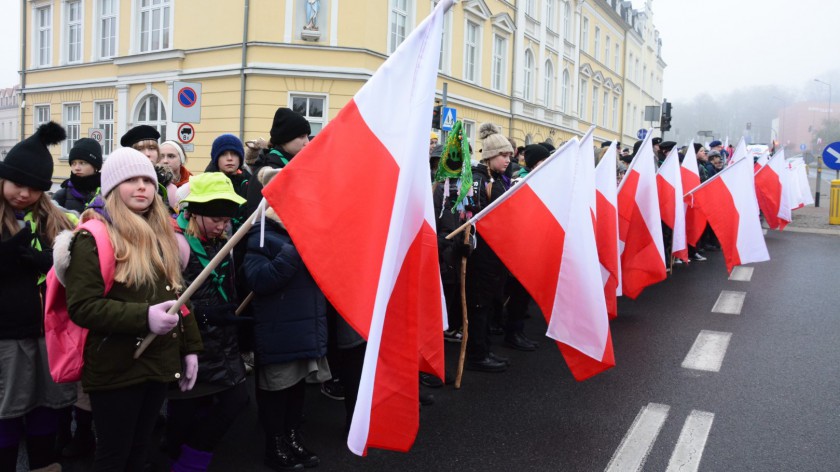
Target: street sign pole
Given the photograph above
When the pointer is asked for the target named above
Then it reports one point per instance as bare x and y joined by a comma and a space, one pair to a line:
819, 178
443, 132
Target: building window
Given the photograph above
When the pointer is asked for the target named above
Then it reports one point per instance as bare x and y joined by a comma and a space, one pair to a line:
154, 25
607, 52
652, 84
398, 24
605, 110
152, 112
584, 40
617, 62
43, 36
107, 28
597, 51
582, 99
312, 107
41, 115
549, 83
564, 98
615, 114
567, 21
103, 118
469, 130
499, 55
636, 77
594, 104
531, 8
627, 120
73, 30
550, 15
446, 42
72, 124
471, 51
630, 65
529, 76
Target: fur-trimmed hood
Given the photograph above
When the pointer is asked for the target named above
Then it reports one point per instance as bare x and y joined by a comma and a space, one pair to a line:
61, 254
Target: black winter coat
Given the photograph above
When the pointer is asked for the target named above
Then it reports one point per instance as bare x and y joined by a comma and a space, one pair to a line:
289, 310
21, 298
446, 222
486, 274
265, 159
75, 193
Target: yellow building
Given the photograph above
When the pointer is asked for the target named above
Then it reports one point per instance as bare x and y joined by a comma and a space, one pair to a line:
104, 66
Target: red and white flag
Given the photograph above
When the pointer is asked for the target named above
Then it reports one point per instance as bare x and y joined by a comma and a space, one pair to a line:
695, 221
740, 151
762, 160
559, 266
728, 201
362, 219
640, 225
772, 188
800, 194
606, 226
671, 206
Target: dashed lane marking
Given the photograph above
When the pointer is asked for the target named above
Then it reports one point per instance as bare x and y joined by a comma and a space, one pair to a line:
729, 302
689, 450
742, 273
636, 444
708, 351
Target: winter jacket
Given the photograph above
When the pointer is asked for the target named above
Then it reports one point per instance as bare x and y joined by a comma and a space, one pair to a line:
449, 258
117, 323
22, 307
289, 309
272, 158
75, 193
486, 275
184, 175
241, 180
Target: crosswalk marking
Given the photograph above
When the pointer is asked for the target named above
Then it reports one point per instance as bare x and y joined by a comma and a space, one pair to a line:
635, 447
729, 303
742, 273
708, 351
689, 450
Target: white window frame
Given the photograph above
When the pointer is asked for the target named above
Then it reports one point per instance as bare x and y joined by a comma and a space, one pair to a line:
161, 124
394, 13
644, 77
531, 8
595, 90
548, 84
550, 15
71, 51
583, 86
617, 64
469, 131
597, 52
445, 63
317, 123
472, 73
564, 100
72, 125
605, 108
567, 21
607, 47
529, 71
107, 124
37, 119
584, 41
615, 114
499, 63
38, 33
100, 16
165, 35
638, 70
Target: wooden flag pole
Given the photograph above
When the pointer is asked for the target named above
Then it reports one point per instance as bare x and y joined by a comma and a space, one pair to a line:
217, 259
465, 323
242, 306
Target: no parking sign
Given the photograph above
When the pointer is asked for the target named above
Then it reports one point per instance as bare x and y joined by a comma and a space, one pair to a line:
186, 102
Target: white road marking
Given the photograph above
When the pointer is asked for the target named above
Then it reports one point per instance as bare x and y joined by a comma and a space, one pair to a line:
729, 302
635, 447
741, 273
708, 351
689, 450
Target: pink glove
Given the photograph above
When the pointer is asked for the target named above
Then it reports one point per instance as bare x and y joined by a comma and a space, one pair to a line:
190, 372
160, 322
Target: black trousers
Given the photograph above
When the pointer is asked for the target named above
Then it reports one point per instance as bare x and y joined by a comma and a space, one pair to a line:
454, 312
281, 410
124, 419
200, 423
517, 306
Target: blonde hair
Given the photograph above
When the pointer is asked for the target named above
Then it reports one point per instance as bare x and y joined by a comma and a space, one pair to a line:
193, 229
144, 245
48, 217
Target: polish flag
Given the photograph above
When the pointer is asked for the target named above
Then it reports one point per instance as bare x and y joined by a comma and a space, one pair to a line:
762, 160
671, 206
729, 203
695, 221
559, 266
772, 188
740, 151
639, 224
800, 187
362, 219
606, 226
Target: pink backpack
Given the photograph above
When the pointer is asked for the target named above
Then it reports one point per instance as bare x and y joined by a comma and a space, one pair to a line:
65, 339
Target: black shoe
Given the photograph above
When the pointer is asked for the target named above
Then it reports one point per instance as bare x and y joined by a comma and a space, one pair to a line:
504, 360
449, 378
518, 341
496, 331
333, 389
430, 380
279, 455
301, 453
486, 365
427, 399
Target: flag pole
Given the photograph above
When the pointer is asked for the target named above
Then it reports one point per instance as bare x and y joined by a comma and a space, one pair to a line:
217, 259
465, 323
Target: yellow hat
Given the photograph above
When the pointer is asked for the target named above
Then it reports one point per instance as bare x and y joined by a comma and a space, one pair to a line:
433, 136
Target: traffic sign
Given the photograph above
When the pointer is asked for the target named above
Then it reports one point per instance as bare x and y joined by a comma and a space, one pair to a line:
186, 133
186, 102
831, 156
449, 117
97, 134
641, 133
803, 147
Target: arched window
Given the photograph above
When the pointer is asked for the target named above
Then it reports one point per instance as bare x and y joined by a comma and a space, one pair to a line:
151, 111
529, 139
549, 84
564, 98
529, 75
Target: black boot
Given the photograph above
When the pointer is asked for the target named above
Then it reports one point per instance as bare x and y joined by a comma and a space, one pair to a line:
83, 442
41, 450
8, 458
303, 455
279, 455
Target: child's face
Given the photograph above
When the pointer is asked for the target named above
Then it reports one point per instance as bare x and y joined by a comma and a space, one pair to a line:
296, 145
149, 148
81, 168
229, 162
170, 158
212, 226
137, 193
20, 197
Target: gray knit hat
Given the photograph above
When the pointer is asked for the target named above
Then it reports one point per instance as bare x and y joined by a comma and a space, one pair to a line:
123, 164
492, 142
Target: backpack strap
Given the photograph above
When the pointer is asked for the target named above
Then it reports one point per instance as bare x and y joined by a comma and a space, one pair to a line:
107, 261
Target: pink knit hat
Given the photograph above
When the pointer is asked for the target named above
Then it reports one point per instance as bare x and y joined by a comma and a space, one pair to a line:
123, 164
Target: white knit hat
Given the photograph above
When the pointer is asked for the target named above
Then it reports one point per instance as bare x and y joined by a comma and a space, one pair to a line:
178, 149
492, 142
123, 164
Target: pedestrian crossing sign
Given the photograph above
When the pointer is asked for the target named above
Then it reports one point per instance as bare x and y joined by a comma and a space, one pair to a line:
449, 117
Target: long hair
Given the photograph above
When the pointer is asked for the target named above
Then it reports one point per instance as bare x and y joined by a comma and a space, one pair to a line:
194, 230
47, 216
144, 245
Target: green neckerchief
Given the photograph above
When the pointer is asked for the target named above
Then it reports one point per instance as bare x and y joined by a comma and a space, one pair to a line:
280, 155
198, 250
36, 242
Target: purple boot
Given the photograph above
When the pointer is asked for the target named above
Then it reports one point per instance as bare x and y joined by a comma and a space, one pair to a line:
192, 460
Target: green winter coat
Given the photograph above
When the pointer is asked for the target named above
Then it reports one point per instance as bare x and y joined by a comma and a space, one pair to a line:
118, 322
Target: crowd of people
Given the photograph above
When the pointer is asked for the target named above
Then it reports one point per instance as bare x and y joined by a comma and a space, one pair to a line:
260, 311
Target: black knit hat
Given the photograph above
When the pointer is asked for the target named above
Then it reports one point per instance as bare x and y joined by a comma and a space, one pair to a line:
548, 146
139, 133
288, 125
29, 162
534, 153
87, 150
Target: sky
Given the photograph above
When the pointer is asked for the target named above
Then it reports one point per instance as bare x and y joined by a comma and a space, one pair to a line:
712, 46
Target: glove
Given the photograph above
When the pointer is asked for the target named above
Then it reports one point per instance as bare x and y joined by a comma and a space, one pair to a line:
218, 315
21, 239
190, 372
42, 260
161, 322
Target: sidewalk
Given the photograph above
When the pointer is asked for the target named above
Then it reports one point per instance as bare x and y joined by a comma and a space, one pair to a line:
811, 219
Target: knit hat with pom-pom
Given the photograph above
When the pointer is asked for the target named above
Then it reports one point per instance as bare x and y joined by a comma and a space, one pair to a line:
492, 142
29, 162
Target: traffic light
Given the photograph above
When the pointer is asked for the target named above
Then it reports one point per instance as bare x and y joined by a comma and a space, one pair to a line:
436, 117
665, 121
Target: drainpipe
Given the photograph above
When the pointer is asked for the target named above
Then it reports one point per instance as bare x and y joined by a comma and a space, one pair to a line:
242, 71
22, 68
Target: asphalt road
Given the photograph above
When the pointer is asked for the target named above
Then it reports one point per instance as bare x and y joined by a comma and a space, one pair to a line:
774, 404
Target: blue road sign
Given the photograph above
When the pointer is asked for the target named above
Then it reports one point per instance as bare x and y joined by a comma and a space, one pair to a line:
641, 133
448, 120
803, 147
187, 97
831, 156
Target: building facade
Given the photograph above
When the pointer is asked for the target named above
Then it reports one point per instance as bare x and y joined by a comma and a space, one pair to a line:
541, 69
9, 119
